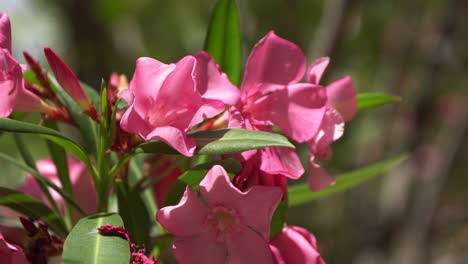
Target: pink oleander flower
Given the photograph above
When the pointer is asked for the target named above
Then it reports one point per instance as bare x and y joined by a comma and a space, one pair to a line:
11, 254
271, 95
295, 245
221, 224
69, 82
341, 107
13, 95
81, 182
164, 103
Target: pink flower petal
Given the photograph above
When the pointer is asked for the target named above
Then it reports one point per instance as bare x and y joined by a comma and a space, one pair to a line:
208, 109
201, 249
273, 60
212, 83
248, 247
132, 122
342, 97
297, 110
283, 161
185, 219
318, 177
174, 138
317, 68
257, 207
7, 97
332, 129
216, 188
297, 245
66, 78
5, 32
147, 80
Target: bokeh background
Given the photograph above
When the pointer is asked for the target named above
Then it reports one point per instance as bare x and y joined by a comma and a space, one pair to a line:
418, 49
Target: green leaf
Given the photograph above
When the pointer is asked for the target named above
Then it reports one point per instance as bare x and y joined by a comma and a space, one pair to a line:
300, 193
33, 208
372, 100
134, 213
15, 126
224, 141
223, 40
87, 246
279, 218
59, 156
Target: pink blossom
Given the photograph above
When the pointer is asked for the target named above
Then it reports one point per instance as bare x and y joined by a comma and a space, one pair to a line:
212, 83
11, 254
13, 95
221, 223
69, 82
165, 104
295, 245
81, 184
341, 107
271, 94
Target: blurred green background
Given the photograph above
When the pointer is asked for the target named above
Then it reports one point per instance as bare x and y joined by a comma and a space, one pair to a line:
416, 213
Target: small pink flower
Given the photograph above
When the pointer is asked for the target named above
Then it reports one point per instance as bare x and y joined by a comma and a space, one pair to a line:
221, 223
13, 95
295, 245
271, 94
81, 184
341, 107
165, 104
69, 82
11, 254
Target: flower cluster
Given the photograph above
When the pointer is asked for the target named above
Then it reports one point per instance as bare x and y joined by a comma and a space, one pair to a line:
223, 219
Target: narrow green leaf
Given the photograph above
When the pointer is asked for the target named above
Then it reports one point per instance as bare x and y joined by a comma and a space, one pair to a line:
86, 245
300, 193
224, 141
103, 157
372, 100
134, 213
33, 208
223, 40
15, 126
59, 156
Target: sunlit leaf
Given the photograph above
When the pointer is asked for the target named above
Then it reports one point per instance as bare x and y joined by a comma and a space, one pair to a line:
223, 40
86, 245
